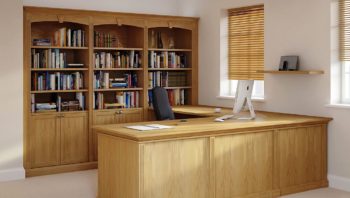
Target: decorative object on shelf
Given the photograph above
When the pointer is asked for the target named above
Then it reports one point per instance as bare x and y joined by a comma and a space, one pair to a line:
153, 39
289, 63
120, 98
159, 41
171, 43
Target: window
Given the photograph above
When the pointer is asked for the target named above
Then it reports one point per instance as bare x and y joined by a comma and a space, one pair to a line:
344, 49
245, 41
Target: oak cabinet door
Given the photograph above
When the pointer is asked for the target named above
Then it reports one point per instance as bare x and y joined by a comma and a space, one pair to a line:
74, 138
130, 116
244, 165
44, 141
101, 118
302, 158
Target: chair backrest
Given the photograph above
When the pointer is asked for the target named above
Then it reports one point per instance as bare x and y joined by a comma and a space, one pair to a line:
161, 104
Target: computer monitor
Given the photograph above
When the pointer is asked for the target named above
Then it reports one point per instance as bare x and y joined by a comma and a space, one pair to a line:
244, 97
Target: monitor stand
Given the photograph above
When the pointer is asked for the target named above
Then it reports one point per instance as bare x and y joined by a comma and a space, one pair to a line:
251, 110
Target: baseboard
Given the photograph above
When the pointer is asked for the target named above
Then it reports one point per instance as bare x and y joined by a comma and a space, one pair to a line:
60, 169
12, 174
340, 183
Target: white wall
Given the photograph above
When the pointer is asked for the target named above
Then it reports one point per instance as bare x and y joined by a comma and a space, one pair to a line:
11, 75
296, 27
166, 7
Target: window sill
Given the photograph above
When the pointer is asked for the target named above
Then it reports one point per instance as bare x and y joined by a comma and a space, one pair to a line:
339, 106
232, 98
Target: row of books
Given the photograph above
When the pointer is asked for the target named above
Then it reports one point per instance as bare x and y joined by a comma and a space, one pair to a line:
128, 59
176, 97
102, 80
67, 37
102, 39
57, 81
167, 60
51, 58
167, 79
127, 99
71, 105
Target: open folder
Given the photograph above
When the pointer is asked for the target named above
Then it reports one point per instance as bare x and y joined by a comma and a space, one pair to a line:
149, 127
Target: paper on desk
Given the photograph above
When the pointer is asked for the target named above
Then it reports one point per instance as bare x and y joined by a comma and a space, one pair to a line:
149, 127
159, 126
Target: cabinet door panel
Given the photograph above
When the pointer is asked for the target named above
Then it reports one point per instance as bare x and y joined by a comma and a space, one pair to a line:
130, 116
44, 141
244, 164
300, 157
100, 118
177, 168
107, 117
74, 138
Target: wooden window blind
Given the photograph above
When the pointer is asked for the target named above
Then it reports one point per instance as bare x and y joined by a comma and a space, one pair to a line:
246, 43
344, 30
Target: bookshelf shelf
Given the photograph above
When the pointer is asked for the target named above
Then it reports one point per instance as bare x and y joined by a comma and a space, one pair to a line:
58, 69
169, 69
59, 91
117, 109
118, 69
169, 50
169, 88
56, 47
306, 72
118, 49
118, 89
56, 112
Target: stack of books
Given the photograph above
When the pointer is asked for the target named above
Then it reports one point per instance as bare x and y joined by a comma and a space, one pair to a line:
118, 83
105, 40
71, 105
67, 37
57, 81
126, 59
41, 42
167, 60
45, 107
102, 80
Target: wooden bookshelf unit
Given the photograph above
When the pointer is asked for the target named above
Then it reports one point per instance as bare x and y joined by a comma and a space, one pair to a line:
85, 68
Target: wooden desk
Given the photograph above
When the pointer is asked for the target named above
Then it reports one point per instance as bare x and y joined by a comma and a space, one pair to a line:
275, 154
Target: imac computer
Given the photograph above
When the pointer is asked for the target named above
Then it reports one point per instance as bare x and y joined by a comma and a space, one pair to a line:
243, 97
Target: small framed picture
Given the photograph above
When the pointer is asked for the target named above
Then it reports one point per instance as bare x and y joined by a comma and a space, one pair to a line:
289, 63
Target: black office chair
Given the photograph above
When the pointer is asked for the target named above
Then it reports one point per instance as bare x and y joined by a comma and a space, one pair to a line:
161, 104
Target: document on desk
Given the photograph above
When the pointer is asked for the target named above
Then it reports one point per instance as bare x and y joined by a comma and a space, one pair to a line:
149, 127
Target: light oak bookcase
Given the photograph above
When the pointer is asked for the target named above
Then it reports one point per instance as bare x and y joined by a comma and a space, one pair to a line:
57, 142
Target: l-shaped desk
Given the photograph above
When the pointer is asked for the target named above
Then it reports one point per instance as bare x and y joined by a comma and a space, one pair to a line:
273, 155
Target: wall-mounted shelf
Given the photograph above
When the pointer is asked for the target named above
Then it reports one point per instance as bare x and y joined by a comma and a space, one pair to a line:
307, 72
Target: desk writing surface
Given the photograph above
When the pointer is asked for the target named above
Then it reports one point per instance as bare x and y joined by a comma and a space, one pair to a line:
204, 111
206, 126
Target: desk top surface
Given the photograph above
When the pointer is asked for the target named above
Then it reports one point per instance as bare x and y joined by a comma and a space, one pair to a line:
206, 126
